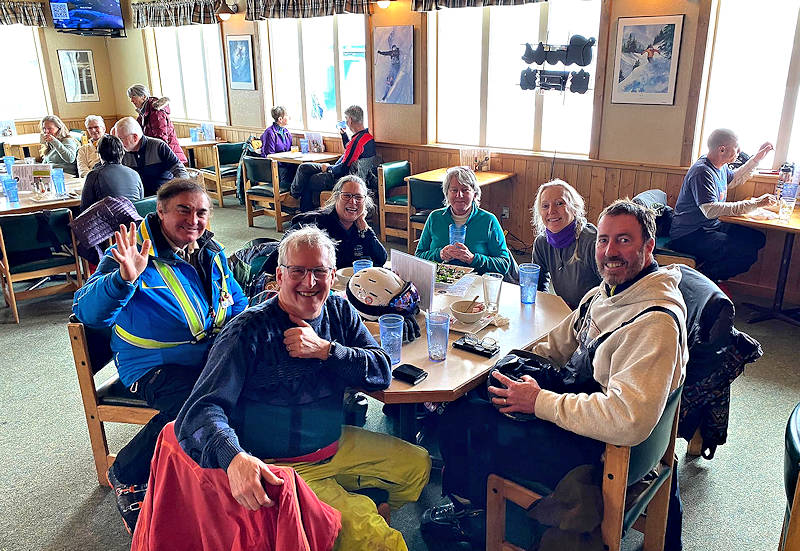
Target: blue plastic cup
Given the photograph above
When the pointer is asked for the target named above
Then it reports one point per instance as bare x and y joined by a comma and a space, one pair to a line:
303, 145
359, 265
437, 327
8, 160
528, 282
11, 190
391, 328
457, 233
59, 186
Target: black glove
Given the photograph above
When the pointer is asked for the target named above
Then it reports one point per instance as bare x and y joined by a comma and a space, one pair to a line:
410, 328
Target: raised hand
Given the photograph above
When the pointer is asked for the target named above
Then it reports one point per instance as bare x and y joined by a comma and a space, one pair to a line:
131, 261
303, 342
765, 148
245, 475
361, 222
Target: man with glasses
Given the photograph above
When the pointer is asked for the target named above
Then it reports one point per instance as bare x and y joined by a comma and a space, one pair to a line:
311, 178
344, 219
273, 385
87, 155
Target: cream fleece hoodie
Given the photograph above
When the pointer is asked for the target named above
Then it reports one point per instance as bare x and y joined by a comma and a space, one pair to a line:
637, 365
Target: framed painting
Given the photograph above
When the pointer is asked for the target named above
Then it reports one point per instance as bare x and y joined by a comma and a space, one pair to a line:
394, 64
646, 59
240, 62
77, 73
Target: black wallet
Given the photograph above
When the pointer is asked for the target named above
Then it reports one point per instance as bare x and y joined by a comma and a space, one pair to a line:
477, 348
409, 374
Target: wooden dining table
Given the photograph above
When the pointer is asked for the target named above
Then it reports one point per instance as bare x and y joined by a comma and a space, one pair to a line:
297, 158
790, 228
484, 178
27, 203
19, 146
190, 146
463, 371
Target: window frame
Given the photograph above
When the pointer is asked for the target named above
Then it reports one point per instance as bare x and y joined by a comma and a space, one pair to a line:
434, 23
151, 48
263, 28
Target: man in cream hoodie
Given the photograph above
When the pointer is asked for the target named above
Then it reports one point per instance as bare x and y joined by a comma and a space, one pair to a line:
636, 366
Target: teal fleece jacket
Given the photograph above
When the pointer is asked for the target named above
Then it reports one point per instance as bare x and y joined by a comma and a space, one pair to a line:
484, 239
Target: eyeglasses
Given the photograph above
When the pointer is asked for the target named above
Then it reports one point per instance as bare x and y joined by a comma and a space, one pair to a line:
298, 273
357, 197
473, 340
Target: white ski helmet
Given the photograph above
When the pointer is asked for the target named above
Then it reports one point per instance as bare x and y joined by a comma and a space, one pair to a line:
377, 291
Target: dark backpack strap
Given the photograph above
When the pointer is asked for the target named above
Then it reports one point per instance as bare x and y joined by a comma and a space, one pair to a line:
602, 338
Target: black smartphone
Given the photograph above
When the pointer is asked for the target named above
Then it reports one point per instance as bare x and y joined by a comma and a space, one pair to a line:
409, 374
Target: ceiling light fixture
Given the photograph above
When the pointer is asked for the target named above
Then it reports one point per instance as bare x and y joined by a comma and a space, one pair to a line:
226, 10
383, 3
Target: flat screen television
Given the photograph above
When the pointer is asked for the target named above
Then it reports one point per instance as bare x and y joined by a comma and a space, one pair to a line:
87, 15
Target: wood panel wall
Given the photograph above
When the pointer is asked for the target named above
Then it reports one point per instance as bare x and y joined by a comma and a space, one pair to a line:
599, 183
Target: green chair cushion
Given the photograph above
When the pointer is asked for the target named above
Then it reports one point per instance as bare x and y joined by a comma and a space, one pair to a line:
425, 195
146, 206
229, 153
394, 174
261, 190
421, 217
661, 248
43, 264
399, 200
258, 169
22, 232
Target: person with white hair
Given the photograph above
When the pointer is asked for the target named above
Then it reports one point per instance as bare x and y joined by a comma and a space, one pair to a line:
154, 118
484, 247
722, 250
565, 241
271, 394
152, 158
58, 146
88, 156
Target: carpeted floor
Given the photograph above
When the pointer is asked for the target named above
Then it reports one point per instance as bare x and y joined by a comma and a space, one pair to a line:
50, 499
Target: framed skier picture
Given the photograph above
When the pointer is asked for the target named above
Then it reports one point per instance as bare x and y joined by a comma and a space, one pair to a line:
394, 64
646, 60
240, 59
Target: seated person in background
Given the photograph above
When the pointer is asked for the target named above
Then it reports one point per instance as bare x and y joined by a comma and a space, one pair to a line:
722, 250
58, 145
484, 246
110, 178
273, 386
633, 370
150, 157
311, 178
87, 154
344, 219
277, 139
154, 118
564, 246
146, 287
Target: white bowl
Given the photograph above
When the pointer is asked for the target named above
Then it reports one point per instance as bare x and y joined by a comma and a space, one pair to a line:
457, 309
343, 275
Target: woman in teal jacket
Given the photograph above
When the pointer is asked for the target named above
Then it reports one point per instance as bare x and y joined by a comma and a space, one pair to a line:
484, 247
58, 146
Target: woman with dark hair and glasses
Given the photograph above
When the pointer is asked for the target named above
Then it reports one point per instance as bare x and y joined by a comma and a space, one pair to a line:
110, 177
344, 219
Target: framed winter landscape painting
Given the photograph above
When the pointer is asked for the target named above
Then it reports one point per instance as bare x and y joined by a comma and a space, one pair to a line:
646, 60
394, 64
240, 57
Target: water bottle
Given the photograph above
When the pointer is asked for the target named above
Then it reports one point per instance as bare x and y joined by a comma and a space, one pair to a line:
784, 178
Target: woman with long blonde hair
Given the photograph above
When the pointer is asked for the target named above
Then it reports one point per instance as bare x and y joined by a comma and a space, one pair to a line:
58, 146
564, 246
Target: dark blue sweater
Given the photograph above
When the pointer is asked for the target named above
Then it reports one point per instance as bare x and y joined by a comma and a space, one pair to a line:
253, 397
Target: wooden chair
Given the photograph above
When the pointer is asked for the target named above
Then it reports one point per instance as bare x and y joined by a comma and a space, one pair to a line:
27, 245
624, 466
111, 401
423, 198
790, 534
261, 190
222, 175
393, 197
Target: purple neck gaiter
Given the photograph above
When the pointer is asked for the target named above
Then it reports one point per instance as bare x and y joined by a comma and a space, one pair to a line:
562, 239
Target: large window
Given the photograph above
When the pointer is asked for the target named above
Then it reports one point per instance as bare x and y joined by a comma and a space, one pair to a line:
477, 74
191, 71
23, 96
318, 68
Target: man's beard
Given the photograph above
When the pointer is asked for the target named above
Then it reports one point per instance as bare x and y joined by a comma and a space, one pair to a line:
630, 271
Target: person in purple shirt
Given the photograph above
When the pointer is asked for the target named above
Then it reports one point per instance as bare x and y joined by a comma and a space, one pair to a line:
277, 139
